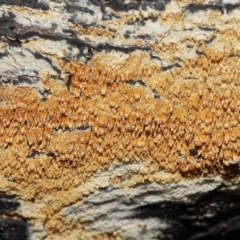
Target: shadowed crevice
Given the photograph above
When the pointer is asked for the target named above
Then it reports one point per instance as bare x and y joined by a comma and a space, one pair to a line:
214, 216
204, 7
13, 229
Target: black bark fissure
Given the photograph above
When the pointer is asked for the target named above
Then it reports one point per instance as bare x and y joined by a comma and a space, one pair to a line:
12, 227
214, 216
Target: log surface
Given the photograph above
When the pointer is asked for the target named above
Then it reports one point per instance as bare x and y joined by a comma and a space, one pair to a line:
119, 119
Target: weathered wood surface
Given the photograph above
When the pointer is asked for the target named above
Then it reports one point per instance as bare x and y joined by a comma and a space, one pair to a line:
117, 116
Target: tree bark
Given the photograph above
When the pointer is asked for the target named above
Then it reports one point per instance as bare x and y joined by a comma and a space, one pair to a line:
119, 119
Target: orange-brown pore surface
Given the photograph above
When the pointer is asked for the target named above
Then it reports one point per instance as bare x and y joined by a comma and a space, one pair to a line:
193, 128
126, 121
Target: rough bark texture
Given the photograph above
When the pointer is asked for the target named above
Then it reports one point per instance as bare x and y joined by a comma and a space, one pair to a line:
119, 119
